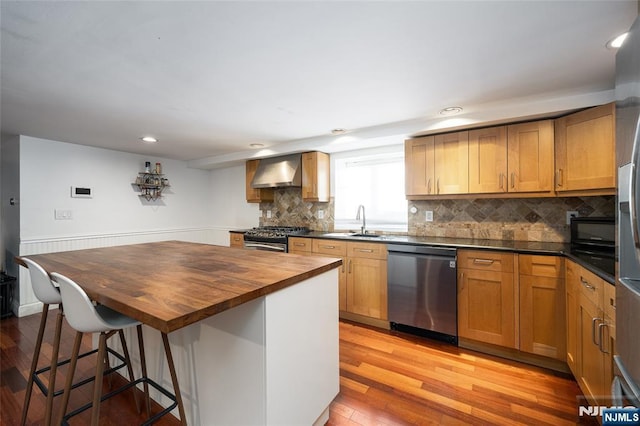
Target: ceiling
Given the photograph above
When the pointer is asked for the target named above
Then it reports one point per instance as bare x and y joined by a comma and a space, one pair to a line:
210, 78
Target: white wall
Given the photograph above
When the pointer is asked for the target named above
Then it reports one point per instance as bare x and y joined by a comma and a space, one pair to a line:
49, 169
115, 215
10, 185
229, 208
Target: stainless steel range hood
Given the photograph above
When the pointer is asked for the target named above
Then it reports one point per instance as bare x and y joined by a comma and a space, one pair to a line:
278, 172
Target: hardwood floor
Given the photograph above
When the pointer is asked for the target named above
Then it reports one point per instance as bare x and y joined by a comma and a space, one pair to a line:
385, 379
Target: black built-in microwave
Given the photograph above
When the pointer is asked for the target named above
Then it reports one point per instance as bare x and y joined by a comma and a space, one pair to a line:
595, 233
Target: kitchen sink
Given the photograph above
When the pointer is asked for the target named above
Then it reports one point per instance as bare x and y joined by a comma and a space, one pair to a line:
351, 235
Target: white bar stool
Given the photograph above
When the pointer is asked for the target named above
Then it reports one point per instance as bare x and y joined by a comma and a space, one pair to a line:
47, 293
85, 317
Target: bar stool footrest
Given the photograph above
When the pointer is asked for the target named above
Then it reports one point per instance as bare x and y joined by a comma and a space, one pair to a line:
45, 390
149, 421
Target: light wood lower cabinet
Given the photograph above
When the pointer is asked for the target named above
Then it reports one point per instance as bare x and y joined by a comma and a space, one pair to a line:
486, 297
363, 274
236, 239
542, 305
512, 300
367, 279
590, 332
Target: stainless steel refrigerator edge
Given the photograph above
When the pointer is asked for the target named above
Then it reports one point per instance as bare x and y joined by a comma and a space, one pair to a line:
626, 384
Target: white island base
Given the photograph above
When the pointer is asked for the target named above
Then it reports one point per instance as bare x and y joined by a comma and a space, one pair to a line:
270, 361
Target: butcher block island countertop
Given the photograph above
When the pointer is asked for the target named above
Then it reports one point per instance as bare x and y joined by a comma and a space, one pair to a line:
254, 334
169, 285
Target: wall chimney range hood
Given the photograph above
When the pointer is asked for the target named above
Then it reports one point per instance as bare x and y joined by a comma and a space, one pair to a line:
276, 172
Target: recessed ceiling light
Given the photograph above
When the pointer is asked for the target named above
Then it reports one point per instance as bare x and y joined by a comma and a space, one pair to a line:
451, 110
617, 42
256, 145
338, 131
149, 139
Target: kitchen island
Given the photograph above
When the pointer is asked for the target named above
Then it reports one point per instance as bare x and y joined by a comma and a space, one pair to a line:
254, 334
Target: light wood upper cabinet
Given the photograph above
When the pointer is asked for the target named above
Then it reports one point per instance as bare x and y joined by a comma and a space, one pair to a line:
515, 158
255, 195
437, 165
530, 156
585, 151
486, 297
542, 305
488, 160
315, 177
451, 157
419, 168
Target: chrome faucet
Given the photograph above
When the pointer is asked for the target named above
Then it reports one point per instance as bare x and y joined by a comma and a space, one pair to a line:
364, 221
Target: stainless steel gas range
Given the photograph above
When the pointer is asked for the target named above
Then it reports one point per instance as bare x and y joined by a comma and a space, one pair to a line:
271, 238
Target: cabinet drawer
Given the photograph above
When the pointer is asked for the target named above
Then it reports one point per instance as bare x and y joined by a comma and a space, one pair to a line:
367, 250
485, 260
541, 266
335, 247
236, 239
300, 244
610, 300
591, 286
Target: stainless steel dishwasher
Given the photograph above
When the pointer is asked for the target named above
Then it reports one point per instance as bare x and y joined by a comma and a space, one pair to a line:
422, 291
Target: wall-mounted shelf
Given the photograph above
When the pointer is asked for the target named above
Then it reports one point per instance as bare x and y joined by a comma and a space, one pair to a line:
151, 185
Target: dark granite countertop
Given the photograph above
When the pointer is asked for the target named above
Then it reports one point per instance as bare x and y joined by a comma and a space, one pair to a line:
593, 263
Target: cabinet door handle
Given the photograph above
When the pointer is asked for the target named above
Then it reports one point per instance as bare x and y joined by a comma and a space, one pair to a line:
329, 247
586, 284
365, 250
429, 186
601, 328
438, 186
612, 302
501, 179
349, 269
478, 261
559, 177
299, 244
461, 281
513, 180
593, 331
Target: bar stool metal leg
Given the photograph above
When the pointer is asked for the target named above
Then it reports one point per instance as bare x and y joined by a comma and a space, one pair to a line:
143, 366
34, 364
97, 384
54, 368
125, 351
174, 378
69, 381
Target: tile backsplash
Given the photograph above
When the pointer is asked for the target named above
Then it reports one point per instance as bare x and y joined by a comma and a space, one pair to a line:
521, 219
518, 219
288, 209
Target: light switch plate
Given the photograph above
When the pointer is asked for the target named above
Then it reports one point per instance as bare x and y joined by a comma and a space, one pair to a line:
63, 214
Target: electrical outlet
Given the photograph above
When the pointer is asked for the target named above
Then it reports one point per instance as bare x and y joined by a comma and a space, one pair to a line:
320, 214
268, 214
428, 216
570, 214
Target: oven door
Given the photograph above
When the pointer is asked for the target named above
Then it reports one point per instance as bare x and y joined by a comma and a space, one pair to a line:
257, 245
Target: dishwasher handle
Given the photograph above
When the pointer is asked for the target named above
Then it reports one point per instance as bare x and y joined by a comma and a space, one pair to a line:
422, 249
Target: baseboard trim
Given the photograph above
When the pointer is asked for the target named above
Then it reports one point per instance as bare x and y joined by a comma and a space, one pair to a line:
515, 355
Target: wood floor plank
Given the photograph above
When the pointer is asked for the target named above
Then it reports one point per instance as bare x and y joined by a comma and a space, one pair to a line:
387, 378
